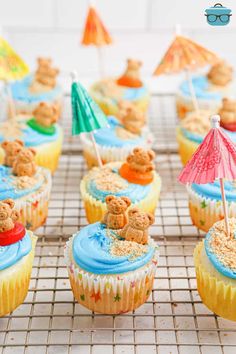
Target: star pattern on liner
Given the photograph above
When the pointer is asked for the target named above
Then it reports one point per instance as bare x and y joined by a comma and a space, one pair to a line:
137, 297
202, 222
203, 204
117, 298
132, 283
28, 225
82, 297
71, 267
96, 296
218, 203
80, 276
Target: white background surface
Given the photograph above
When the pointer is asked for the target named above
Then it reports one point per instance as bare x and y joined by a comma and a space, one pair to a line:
141, 29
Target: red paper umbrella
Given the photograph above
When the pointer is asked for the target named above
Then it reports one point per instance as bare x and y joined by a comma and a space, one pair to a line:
214, 158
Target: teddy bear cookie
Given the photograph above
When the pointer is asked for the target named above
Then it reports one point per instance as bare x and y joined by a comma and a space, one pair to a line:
139, 166
228, 114
8, 216
115, 217
11, 149
24, 164
136, 229
46, 114
45, 73
221, 74
131, 76
131, 117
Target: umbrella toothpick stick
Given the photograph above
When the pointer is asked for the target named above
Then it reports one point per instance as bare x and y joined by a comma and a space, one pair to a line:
11, 106
192, 91
225, 206
101, 62
100, 164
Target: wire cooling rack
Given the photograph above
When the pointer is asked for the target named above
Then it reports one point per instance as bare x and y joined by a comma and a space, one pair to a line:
173, 320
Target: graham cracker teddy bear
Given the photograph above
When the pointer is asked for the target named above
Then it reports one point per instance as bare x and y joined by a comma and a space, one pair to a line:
228, 111
220, 74
131, 117
24, 164
141, 160
46, 74
11, 148
8, 216
115, 217
137, 227
131, 76
46, 114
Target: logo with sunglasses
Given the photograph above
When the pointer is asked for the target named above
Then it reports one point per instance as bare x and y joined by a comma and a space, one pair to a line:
218, 15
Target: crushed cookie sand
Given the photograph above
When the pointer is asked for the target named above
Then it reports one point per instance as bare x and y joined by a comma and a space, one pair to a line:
222, 245
107, 180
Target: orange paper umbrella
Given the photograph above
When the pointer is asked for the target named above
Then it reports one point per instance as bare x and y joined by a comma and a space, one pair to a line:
185, 54
95, 33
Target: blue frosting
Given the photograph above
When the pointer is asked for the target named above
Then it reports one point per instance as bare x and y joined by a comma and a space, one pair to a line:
196, 138
132, 94
91, 252
108, 136
11, 254
226, 271
135, 192
20, 91
212, 190
31, 137
201, 87
8, 188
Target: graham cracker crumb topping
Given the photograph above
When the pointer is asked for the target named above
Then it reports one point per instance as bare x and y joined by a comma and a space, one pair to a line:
107, 180
222, 245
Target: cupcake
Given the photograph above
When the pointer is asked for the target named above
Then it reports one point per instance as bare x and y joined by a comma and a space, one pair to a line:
115, 142
16, 258
135, 179
40, 86
129, 87
215, 264
26, 183
205, 203
194, 127
40, 132
112, 264
209, 90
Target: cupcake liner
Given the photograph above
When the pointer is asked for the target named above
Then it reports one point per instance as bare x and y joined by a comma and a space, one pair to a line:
186, 146
96, 209
33, 208
47, 154
107, 153
110, 294
22, 107
218, 295
14, 282
205, 212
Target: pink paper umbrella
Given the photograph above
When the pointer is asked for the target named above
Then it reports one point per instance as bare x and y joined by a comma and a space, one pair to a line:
214, 158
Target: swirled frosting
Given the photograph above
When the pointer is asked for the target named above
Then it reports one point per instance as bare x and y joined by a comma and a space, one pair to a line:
92, 247
16, 187
21, 92
212, 190
221, 248
20, 130
104, 181
116, 136
11, 254
203, 89
109, 89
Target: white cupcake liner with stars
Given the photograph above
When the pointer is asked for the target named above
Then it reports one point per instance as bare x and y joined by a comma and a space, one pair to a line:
109, 153
210, 207
110, 282
33, 207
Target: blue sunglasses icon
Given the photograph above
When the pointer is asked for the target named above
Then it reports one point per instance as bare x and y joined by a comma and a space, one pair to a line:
218, 15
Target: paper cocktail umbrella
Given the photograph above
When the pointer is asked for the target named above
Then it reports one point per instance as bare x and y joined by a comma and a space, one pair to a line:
86, 115
185, 54
95, 33
215, 158
12, 67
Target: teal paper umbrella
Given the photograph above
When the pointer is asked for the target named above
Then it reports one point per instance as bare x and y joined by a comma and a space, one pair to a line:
86, 115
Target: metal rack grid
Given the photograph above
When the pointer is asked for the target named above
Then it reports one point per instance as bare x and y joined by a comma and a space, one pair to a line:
172, 321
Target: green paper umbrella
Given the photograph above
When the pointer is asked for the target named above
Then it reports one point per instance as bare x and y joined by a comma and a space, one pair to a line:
86, 115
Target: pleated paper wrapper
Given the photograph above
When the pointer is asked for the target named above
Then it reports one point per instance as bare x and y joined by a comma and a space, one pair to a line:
111, 294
